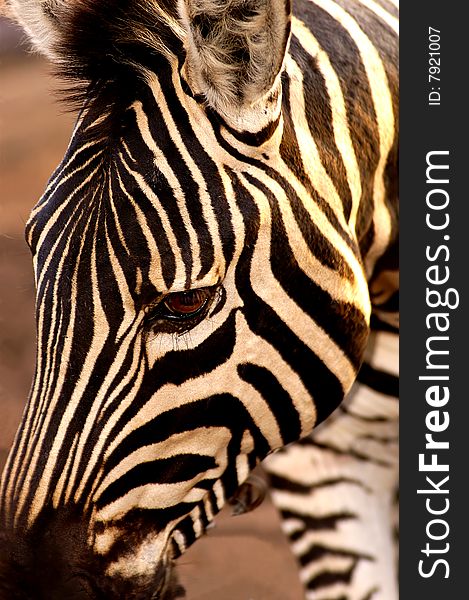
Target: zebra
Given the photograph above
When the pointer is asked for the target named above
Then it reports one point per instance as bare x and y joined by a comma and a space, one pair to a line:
215, 262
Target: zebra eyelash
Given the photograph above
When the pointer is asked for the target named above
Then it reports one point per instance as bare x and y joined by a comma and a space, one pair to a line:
160, 318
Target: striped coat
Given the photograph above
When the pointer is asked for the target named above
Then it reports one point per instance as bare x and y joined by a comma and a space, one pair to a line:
207, 258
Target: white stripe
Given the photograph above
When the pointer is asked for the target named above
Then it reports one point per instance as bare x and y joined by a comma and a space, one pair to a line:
339, 113
203, 441
266, 286
317, 174
204, 198
60, 177
383, 14
155, 271
162, 165
105, 398
98, 340
48, 367
181, 199
385, 119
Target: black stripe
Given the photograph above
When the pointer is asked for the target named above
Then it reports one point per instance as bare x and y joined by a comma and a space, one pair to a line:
345, 59
380, 381
214, 411
318, 552
324, 523
319, 117
62, 279
207, 167
317, 243
290, 192
347, 452
389, 7
175, 469
277, 398
306, 489
377, 325
383, 39
249, 138
142, 522
322, 385
344, 323
328, 578
156, 180
175, 367
97, 474
57, 198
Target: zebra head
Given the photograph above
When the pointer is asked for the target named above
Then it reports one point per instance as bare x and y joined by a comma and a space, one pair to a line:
201, 297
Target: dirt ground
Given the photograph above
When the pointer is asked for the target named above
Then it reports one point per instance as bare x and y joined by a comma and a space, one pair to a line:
242, 558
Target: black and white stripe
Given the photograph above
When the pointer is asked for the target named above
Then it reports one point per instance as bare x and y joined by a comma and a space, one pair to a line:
281, 212
336, 489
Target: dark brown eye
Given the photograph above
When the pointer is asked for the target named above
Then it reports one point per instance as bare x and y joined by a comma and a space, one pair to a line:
181, 311
186, 304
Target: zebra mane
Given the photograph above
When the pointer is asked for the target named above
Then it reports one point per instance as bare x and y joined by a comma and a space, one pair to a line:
97, 42
231, 52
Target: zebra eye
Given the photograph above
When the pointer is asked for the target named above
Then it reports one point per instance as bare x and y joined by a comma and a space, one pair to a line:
181, 311
186, 304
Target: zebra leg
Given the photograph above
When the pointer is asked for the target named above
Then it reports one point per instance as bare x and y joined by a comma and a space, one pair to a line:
336, 490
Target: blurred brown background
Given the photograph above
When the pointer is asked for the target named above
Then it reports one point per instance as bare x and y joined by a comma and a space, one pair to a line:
242, 558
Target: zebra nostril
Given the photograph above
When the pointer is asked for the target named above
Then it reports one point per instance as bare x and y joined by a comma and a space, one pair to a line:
248, 496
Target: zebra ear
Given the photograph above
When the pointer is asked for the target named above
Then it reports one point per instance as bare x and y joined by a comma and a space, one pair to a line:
41, 20
235, 49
